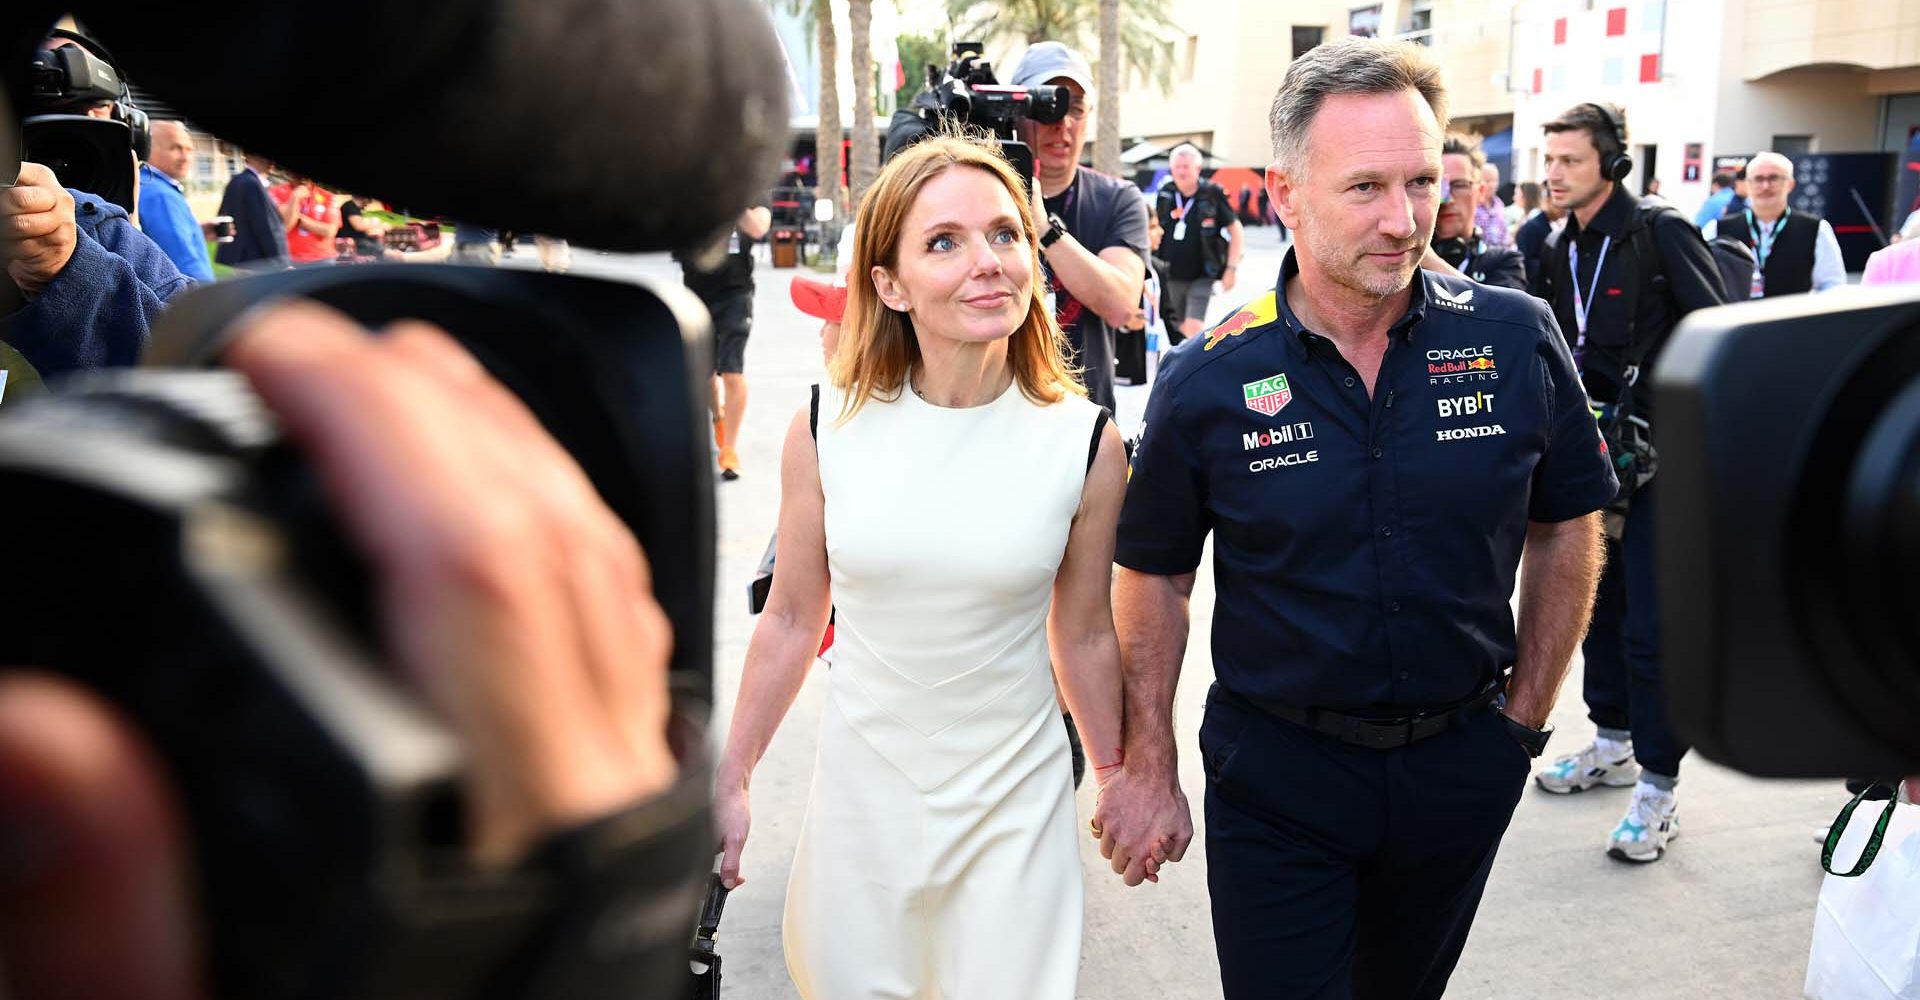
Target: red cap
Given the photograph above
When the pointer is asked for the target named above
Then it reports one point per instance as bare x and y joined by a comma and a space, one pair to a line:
820, 299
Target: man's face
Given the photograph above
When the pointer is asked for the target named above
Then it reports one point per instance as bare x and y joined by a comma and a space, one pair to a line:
1573, 170
1185, 171
1365, 208
1456, 215
172, 150
1056, 146
1770, 183
1489, 183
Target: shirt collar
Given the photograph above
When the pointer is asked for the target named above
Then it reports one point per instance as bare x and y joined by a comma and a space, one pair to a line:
1613, 216
1402, 327
150, 172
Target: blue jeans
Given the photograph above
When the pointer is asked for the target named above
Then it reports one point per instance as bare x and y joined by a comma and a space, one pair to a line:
1623, 685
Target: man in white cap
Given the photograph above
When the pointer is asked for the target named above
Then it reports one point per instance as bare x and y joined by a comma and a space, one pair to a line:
1093, 227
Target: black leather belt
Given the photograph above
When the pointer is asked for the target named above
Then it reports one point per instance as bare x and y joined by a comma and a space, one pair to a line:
1379, 734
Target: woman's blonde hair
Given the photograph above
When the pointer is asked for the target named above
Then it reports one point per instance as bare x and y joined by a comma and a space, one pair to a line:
878, 349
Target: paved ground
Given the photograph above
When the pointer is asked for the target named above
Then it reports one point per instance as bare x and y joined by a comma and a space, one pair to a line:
1727, 915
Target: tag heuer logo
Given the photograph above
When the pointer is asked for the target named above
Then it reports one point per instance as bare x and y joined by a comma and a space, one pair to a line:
1268, 395
1458, 300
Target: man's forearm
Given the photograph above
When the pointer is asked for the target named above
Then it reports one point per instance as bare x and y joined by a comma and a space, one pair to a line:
1150, 615
1099, 285
1559, 570
1236, 246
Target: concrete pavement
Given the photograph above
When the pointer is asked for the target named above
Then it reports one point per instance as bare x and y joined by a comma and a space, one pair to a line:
1728, 914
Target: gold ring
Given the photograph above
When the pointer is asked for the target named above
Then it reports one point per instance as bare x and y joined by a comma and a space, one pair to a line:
1094, 825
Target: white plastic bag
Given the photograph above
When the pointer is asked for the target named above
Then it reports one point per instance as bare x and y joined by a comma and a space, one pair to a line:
1866, 930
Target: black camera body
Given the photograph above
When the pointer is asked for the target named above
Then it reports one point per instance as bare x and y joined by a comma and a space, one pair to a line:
89, 154
223, 611
966, 93
1789, 532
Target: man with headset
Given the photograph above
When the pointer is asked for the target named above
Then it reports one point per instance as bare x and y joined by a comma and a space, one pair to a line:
83, 285
1620, 277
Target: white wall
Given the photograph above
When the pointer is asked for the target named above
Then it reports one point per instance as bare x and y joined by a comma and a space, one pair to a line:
1678, 109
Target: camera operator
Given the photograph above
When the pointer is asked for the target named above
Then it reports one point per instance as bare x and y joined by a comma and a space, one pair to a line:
165, 216
1620, 277
527, 621
1093, 233
91, 282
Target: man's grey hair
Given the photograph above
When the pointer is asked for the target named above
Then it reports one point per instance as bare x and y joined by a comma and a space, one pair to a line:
1777, 159
1349, 66
1185, 149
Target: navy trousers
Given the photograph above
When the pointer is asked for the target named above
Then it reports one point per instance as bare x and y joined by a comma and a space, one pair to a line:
1341, 872
1622, 684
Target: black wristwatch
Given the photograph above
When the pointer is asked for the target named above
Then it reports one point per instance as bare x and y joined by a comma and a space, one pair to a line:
1055, 230
1533, 741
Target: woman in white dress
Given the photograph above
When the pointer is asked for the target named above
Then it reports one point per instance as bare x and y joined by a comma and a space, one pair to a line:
954, 495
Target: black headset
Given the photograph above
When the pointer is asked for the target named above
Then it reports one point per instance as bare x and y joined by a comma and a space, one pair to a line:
1614, 166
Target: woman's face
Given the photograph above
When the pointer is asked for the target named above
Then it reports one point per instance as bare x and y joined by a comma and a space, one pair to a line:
964, 269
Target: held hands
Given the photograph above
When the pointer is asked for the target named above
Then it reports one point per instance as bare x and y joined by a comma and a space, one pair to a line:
1141, 820
37, 229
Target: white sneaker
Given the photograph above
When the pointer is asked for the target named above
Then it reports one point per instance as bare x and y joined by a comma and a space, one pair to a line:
1590, 766
1652, 819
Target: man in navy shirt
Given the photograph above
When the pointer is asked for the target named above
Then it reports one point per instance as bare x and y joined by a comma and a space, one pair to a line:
1376, 450
259, 227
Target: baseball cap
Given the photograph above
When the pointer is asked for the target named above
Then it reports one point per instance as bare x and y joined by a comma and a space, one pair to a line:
1044, 62
819, 299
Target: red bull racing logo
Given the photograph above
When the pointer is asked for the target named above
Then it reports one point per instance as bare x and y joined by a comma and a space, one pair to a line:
1259, 312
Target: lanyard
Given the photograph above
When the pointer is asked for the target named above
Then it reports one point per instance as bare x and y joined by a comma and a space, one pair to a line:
1584, 306
1763, 238
1180, 207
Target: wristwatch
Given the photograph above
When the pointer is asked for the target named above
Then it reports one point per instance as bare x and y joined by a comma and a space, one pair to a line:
1055, 230
1533, 741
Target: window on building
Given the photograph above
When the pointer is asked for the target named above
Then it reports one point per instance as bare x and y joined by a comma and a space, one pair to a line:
203, 166
1364, 22
1792, 145
1304, 39
1417, 25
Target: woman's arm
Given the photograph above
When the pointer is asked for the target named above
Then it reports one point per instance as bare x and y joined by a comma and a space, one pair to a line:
784, 642
1086, 653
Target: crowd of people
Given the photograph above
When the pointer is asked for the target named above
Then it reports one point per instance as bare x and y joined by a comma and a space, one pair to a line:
957, 501
1372, 555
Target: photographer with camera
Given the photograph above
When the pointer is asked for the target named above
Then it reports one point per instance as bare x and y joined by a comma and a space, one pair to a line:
1620, 277
91, 283
527, 621
1093, 233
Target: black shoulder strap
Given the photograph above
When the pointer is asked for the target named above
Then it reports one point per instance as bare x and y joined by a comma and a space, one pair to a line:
1093, 448
813, 413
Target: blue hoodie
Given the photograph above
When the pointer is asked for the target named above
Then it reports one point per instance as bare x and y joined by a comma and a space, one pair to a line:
97, 312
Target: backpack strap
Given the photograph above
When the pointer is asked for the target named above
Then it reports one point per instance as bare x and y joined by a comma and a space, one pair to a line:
1093, 447
813, 413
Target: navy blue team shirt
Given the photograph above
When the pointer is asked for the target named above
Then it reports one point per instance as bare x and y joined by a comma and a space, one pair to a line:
1364, 549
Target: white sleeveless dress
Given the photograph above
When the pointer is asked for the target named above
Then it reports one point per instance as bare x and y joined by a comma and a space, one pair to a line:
938, 859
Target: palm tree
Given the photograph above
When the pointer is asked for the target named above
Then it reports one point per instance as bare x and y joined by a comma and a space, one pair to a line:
1143, 28
866, 155
826, 138
1106, 143
827, 132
